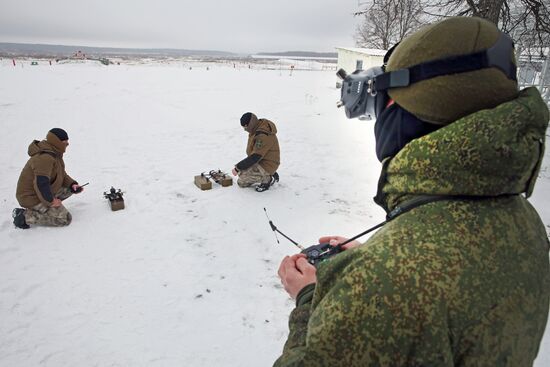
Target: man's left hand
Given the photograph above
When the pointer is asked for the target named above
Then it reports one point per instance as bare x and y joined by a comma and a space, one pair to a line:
295, 273
235, 172
335, 240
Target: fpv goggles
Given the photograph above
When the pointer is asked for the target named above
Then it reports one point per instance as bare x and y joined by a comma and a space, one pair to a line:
365, 92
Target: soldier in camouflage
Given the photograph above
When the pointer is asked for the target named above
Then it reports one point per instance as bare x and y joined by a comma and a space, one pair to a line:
44, 184
263, 154
463, 281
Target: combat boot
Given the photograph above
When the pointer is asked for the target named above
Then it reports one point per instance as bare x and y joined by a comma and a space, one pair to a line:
266, 186
18, 215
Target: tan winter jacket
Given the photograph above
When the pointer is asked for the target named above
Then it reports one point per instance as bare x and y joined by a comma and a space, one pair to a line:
46, 160
263, 141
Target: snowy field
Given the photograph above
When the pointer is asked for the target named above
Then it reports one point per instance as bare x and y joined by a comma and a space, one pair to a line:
181, 277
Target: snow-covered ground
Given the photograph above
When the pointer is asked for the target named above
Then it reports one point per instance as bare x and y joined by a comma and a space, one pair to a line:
181, 277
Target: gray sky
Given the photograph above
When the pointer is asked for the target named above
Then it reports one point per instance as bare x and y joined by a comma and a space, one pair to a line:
246, 26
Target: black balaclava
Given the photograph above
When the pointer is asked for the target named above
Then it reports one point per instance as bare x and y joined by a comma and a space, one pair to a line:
395, 128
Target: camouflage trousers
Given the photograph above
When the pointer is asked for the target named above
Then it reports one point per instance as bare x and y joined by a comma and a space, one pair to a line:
43, 215
254, 175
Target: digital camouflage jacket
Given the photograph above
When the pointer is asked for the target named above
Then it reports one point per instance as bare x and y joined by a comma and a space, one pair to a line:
463, 282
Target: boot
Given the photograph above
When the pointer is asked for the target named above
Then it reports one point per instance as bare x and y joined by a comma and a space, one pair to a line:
18, 215
266, 186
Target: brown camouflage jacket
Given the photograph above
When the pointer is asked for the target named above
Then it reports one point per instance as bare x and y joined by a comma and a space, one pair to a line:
46, 160
263, 141
461, 282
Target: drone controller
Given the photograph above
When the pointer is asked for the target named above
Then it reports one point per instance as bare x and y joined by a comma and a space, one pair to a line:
318, 253
315, 254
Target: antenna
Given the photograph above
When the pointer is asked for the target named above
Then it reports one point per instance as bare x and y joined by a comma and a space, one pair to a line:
275, 230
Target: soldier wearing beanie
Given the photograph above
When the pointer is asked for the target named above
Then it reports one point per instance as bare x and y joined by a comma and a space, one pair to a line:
459, 275
44, 184
259, 168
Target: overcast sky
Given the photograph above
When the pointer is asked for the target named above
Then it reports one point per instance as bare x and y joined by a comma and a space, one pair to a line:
245, 26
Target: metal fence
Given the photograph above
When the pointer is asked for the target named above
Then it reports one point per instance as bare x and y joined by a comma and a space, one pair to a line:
535, 72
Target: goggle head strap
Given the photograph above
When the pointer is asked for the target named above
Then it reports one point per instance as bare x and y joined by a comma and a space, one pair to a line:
497, 56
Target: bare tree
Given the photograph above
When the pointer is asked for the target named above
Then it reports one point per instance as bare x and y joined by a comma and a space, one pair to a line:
386, 22
526, 21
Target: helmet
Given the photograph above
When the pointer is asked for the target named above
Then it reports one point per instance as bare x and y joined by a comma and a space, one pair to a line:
440, 73
445, 98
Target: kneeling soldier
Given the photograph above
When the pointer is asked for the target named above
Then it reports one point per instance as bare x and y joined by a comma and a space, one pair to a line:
263, 155
44, 184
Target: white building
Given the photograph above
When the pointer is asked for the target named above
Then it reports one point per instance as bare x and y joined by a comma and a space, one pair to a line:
535, 71
352, 58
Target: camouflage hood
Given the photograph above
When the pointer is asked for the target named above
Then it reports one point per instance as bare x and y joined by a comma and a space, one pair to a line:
488, 153
43, 146
449, 283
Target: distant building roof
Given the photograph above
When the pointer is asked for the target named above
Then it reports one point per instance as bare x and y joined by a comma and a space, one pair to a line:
366, 51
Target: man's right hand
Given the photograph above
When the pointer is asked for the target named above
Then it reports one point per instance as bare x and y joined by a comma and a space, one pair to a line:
56, 203
335, 240
235, 172
76, 188
295, 273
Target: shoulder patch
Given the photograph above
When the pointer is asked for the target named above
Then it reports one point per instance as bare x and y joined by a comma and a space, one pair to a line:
259, 143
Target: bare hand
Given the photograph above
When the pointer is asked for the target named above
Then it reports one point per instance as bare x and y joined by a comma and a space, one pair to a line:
234, 171
77, 189
295, 273
56, 203
335, 240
